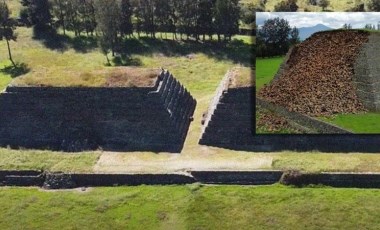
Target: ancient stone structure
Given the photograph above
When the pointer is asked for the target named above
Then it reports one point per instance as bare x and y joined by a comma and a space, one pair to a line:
229, 120
367, 73
116, 119
300, 121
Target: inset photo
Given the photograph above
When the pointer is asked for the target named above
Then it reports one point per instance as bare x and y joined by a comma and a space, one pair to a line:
318, 73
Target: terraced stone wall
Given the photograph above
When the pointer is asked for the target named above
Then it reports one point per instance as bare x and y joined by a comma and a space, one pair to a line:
116, 119
229, 121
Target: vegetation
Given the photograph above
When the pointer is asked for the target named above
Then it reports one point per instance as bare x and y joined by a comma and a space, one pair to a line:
312, 6
326, 162
191, 207
7, 27
275, 37
266, 68
47, 160
242, 77
286, 6
374, 5
363, 123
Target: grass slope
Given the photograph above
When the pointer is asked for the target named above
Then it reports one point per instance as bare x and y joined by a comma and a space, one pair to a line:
266, 68
364, 123
191, 207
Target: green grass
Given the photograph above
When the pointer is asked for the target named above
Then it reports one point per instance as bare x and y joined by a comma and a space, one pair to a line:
191, 207
266, 68
5, 78
47, 160
326, 162
364, 123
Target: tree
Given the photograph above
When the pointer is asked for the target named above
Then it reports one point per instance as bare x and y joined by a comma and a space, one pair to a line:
125, 24
274, 35
187, 16
248, 13
286, 6
205, 18
347, 26
374, 5
367, 26
147, 17
60, 8
7, 27
227, 16
107, 18
324, 4
313, 2
38, 12
162, 15
294, 36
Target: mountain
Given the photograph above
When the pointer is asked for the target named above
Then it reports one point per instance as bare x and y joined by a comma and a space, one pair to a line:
306, 32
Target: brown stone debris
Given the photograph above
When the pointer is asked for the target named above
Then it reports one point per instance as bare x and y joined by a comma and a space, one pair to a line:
318, 77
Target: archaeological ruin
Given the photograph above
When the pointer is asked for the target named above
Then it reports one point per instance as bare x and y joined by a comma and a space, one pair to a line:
154, 117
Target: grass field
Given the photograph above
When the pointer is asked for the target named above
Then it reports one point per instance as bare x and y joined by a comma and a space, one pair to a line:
47, 160
266, 68
191, 207
364, 123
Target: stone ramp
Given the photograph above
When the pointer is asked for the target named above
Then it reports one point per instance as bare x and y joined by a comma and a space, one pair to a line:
111, 118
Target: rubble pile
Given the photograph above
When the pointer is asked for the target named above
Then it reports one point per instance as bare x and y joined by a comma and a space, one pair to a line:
317, 80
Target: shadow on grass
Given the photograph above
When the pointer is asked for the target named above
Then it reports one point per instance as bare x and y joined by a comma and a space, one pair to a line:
125, 60
15, 71
59, 42
237, 50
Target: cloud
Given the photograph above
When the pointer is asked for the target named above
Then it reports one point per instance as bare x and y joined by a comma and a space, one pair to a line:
331, 19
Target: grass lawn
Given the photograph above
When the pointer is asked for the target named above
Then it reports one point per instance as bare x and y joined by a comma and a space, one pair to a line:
5, 78
365, 123
47, 160
266, 68
191, 207
326, 162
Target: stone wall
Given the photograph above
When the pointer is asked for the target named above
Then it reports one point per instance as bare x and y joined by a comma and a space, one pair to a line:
311, 124
367, 73
116, 119
295, 178
229, 121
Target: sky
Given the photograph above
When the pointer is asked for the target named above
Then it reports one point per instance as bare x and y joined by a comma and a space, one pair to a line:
333, 20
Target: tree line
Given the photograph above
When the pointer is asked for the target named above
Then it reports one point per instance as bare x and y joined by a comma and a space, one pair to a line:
112, 20
190, 18
275, 38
